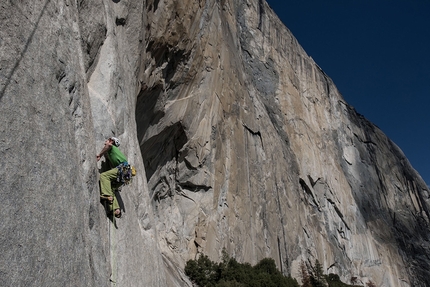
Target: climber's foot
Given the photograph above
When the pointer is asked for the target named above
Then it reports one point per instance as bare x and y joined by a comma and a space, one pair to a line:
107, 197
117, 213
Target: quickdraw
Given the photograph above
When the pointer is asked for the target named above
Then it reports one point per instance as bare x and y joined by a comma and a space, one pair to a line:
124, 173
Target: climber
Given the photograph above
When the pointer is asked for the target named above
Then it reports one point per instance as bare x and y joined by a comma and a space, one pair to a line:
120, 174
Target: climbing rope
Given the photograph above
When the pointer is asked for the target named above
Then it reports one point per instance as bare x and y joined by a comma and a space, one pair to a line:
112, 248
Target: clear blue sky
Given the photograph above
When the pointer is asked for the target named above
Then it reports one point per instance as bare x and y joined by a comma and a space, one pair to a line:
378, 54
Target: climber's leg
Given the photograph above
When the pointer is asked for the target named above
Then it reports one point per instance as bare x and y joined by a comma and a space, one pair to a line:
115, 204
105, 183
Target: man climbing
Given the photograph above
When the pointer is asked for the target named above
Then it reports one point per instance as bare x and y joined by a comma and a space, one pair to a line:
120, 174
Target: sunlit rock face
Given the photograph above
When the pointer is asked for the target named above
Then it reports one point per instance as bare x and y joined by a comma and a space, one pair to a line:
248, 145
240, 141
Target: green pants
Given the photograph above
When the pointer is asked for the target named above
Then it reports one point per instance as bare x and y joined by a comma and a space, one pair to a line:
106, 179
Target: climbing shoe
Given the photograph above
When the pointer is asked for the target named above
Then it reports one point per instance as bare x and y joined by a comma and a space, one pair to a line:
117, 213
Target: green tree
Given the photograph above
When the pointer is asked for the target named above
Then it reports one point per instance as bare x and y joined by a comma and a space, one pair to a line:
230, 273
317, 275
271, 276
203, 271
266, 265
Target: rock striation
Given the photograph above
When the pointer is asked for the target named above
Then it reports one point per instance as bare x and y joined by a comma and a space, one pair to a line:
240, 140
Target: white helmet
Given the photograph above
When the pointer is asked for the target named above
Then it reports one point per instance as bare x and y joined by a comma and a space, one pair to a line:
115, 141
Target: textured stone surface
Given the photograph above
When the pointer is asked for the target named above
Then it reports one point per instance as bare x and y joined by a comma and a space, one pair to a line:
50, 231
68, 79
241, 142
248, 145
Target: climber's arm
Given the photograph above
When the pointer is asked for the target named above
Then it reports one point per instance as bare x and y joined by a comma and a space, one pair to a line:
108, 146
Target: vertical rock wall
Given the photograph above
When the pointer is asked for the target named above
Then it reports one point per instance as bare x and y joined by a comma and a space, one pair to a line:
68, 79
51, 233
248, 146
113, 85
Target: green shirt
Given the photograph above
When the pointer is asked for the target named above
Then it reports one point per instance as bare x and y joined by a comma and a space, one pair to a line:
115, 156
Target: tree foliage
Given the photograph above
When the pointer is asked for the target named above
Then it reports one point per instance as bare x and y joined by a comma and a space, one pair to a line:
230, 273
333, 280
203, 271
313, 276
317, 275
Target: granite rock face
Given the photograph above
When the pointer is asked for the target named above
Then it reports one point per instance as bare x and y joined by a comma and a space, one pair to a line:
248, 146
240, 141
68, 78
